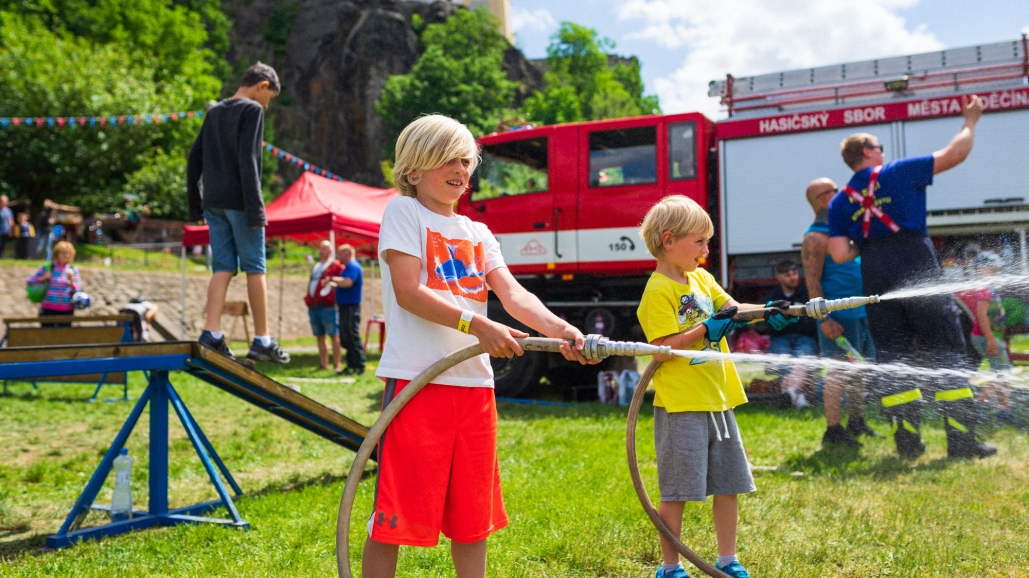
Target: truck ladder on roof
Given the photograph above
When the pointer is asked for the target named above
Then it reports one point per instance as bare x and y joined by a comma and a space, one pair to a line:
979, 68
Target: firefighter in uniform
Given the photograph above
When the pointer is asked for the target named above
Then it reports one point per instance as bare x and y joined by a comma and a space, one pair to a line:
881, 216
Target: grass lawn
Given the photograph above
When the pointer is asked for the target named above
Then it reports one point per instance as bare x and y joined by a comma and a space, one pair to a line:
567, 490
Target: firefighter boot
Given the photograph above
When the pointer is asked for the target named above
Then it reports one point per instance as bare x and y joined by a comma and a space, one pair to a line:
960, 416
904, 410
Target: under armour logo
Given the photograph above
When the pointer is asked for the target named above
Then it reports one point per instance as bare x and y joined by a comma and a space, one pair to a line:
382, 518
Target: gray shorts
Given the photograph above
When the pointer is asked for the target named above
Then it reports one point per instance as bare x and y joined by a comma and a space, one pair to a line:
692, 463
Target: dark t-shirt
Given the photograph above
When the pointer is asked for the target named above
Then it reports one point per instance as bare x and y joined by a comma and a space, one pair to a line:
227, 156
806, 325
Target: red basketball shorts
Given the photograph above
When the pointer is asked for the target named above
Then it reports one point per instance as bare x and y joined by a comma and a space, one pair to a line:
438, 469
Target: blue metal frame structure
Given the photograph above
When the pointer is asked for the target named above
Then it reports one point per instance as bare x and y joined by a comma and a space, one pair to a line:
159, 394
157, 361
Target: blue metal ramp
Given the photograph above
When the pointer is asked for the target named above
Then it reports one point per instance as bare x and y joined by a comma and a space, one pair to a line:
158, 361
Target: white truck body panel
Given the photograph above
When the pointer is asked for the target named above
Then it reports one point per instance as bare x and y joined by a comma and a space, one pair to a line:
763, 178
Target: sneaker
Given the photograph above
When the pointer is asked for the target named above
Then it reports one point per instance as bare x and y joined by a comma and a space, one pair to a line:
798, 398
734, 569
837, 436
272, 352
353, 371
219, 345
858, 427
1009, 418
679, 572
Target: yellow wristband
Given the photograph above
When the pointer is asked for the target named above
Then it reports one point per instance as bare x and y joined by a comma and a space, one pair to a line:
466, 321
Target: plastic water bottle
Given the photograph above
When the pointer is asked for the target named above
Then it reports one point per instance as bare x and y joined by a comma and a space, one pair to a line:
121, 501
852, 354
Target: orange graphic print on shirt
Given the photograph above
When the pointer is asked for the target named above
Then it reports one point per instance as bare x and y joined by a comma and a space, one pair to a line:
456, 265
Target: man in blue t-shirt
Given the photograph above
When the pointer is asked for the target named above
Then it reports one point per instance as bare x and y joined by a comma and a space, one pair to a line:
881, 216
348, 306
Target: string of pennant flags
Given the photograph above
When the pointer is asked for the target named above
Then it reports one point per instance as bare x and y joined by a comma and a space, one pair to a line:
61, 122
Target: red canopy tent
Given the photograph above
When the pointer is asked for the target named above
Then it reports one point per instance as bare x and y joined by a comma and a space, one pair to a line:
309, 210
313, 206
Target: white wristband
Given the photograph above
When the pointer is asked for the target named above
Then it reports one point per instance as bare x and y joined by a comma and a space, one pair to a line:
466, 321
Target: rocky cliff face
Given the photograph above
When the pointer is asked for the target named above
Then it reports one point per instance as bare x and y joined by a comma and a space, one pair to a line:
333, 58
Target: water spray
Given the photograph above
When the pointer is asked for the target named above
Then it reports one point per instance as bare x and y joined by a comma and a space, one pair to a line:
816, 308
596, 347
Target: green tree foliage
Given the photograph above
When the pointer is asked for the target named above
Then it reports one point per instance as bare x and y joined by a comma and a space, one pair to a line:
186, 36
92, 59
580, 85
460, 74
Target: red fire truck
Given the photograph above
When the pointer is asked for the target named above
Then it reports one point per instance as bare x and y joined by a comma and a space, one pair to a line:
565, 201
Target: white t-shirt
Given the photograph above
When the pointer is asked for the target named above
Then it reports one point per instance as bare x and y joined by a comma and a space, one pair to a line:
456, 254
316, 276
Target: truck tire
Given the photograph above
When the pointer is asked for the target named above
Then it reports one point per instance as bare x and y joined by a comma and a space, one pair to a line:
518, 375
579, 381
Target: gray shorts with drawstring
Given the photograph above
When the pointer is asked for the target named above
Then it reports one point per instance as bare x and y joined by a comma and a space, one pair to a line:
699, 454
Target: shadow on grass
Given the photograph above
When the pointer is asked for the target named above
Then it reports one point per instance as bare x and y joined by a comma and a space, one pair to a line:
42, 396
322, 481
34, 544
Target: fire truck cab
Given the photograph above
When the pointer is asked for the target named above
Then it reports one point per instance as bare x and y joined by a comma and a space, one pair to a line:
565, 203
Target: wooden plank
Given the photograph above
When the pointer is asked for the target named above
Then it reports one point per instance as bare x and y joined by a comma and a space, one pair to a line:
277, 390
32, 336
75, 319
27, 354
162, 330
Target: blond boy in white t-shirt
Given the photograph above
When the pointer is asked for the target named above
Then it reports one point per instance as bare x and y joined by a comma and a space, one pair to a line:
438, 469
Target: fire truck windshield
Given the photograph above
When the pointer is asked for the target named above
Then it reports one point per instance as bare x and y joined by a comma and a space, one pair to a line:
511, 168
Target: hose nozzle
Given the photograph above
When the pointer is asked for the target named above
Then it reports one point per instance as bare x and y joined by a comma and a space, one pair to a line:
818, 307
598, 347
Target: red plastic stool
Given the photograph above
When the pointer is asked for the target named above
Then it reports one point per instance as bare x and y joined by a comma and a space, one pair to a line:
380, 325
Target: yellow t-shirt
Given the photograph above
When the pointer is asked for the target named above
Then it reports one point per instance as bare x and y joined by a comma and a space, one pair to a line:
689, 384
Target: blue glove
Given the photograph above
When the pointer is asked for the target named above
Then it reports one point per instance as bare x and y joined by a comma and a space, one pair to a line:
777, 319
721, 324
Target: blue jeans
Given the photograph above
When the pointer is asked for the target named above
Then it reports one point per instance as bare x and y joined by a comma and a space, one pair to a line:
857, 333
793, 344
235, 246
323, 320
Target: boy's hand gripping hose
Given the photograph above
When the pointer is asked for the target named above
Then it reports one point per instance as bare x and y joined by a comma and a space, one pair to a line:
816, 308
597, 347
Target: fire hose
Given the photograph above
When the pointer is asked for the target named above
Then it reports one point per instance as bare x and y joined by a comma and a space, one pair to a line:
596, 347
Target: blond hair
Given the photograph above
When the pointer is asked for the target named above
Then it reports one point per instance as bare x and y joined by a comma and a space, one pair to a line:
853, 148
677, 215
428, 143
65, 246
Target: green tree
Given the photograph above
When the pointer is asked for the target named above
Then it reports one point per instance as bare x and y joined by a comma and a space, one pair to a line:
48, 72
459, 74
188, 37
581, 85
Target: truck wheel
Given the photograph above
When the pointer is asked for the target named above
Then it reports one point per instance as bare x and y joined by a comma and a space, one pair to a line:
517, 375
570, 376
